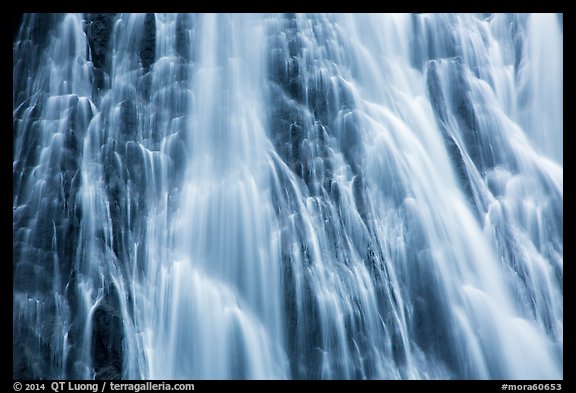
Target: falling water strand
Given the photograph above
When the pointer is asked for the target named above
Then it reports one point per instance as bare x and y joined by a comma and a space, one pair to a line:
295, 196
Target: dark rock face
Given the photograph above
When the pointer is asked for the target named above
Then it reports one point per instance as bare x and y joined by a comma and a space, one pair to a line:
107, 339
99, 28
148, 48
98, 31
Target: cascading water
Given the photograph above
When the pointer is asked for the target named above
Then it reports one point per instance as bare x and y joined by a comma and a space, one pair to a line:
288, 196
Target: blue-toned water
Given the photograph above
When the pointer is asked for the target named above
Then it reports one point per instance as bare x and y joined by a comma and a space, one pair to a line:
288, 196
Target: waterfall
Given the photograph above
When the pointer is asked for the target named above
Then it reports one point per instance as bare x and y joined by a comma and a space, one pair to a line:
294, 196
